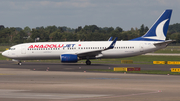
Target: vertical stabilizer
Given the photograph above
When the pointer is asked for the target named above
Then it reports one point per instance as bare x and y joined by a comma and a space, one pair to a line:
159, 29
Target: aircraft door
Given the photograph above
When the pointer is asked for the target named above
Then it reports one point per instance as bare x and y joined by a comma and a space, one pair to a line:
23, 49
141, 46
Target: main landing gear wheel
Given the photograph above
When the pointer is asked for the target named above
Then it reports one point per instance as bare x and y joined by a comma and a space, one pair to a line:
88, 62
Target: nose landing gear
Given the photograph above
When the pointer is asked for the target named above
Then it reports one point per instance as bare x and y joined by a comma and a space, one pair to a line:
19, 63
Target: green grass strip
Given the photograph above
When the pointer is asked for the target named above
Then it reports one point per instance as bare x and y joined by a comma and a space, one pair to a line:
138, 72
3, 58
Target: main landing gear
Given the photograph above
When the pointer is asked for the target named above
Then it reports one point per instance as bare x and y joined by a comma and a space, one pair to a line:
88, 62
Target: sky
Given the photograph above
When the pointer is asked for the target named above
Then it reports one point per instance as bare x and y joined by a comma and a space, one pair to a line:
126, 14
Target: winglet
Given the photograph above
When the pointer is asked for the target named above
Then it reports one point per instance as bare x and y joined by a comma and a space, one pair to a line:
112, 44
110, 39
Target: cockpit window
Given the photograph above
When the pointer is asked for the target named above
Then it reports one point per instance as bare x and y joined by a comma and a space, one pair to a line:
12, 48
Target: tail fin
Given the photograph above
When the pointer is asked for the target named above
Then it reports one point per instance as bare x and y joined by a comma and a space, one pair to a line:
159, 29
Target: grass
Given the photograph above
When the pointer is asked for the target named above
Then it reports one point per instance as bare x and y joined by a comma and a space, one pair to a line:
142, 59
3, 48
169, 49
3, 58
153, 58
138, 72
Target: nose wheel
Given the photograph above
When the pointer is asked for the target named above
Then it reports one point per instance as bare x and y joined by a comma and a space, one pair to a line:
88, 62
19, 63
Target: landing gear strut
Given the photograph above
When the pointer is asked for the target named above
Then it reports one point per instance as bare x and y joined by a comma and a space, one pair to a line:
19, 63
88, 62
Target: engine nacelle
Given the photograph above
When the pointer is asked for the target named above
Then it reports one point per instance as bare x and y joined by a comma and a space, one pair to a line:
69, 58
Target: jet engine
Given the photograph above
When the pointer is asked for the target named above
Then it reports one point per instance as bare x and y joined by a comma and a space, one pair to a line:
69, 58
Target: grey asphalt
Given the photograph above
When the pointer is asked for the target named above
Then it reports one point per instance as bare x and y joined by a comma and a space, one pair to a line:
69, 82
41, 66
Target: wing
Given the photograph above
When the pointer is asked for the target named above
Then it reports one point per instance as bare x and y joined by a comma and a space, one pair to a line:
96, 53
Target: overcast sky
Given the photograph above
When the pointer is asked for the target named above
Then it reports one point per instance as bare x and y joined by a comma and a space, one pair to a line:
73, 13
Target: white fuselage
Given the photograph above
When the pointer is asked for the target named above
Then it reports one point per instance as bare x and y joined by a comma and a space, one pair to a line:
53, 50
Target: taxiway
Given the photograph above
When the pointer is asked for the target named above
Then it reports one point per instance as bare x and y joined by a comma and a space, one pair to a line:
68, 82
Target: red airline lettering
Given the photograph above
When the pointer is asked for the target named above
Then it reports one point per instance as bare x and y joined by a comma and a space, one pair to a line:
47, 46
59, 46
36, 46
41, 46
30, 46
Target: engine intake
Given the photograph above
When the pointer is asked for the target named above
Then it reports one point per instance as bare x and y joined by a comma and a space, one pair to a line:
69, 58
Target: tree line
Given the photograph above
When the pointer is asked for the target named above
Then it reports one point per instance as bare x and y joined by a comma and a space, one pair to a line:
18, 35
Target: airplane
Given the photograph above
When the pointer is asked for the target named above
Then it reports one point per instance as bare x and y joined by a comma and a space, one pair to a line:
72, 52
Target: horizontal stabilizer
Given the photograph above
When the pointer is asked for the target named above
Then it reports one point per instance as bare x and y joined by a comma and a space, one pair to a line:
165, 42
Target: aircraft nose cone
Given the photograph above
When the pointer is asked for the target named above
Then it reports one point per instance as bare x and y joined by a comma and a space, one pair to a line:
4, 53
